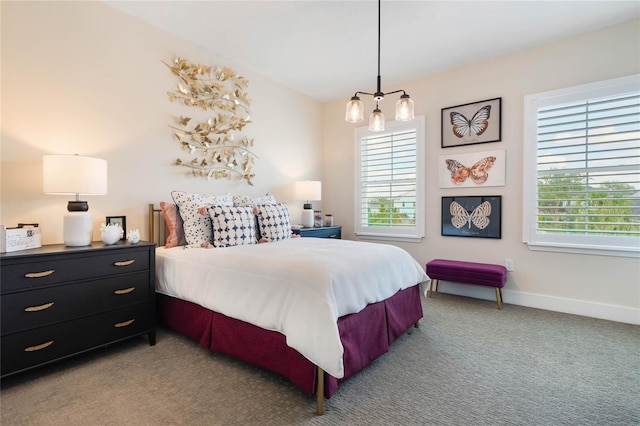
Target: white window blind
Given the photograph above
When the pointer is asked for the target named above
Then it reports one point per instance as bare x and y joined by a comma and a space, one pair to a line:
585, 191
389, 193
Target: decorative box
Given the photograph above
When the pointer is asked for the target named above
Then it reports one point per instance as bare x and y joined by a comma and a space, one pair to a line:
25, 236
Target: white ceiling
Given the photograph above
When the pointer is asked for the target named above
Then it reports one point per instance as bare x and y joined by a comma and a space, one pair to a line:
328, 49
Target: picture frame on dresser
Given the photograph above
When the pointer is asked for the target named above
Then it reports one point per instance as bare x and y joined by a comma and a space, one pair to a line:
120, 220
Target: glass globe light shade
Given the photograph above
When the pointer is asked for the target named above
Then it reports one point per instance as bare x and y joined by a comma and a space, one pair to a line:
404, 108
355, 110
376, 121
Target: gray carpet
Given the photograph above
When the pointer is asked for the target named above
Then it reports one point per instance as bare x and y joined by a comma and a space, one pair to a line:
467, 364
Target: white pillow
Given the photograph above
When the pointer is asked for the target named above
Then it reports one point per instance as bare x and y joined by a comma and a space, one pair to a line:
232, 226
274, 221
246, 200
193, 209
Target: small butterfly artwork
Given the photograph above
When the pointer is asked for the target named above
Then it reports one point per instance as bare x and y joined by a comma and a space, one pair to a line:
479, 216
477, 125
478, 172
472, 216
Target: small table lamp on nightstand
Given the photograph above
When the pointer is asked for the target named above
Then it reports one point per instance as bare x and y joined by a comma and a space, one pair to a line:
308, 190
75, 175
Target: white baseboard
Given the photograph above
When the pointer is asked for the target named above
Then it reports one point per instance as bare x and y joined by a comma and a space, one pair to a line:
550, 303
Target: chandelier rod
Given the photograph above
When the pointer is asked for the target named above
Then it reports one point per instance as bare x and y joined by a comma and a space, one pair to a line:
379, 27
379, 95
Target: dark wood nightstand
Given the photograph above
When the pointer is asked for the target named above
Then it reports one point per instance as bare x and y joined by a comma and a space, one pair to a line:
59, 301
321, 232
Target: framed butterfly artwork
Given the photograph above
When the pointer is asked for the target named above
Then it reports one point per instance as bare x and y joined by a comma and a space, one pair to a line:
477, 216
473, 169
468, 124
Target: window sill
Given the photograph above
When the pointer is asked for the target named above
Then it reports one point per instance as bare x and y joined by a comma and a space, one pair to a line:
585, 249
389, 237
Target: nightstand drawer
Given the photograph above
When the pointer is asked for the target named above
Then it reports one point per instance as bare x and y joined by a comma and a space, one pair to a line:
324, 232
21, 275
23, 350
54, 304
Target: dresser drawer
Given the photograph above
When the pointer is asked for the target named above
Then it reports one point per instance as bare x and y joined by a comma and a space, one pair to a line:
23, 274
20, 351
44, 306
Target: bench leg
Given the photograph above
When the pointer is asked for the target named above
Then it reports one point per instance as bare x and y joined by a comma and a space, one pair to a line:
499, 297
431, 287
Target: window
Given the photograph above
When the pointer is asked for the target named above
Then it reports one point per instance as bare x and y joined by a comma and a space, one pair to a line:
390, 181
582, 169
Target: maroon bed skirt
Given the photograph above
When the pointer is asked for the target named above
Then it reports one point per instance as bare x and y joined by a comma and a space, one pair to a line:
365, 336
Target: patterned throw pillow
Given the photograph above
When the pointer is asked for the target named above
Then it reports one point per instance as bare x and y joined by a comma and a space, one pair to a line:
174, 224
246, 200
275, 222
193, 211
232, 226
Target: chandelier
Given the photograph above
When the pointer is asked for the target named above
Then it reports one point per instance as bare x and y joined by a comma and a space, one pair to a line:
355, 108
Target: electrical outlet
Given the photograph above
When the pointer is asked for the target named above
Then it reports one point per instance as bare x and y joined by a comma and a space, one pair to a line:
508, 263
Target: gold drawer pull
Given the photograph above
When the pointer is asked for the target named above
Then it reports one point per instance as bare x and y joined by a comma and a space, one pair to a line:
124, 324
38, 347
124, 263
125, 290
38, 308
39, 274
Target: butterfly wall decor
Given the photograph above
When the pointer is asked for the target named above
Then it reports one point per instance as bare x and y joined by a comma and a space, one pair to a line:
477, 172
478, 216
472, 216
470, 127
486, 168
477, 122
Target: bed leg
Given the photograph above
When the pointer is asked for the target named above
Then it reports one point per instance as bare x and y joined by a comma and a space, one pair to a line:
320, 392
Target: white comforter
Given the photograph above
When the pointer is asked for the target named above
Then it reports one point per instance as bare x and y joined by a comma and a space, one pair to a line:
298, 287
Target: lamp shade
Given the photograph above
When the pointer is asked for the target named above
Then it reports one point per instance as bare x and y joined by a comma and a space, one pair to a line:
74, 174
309, 190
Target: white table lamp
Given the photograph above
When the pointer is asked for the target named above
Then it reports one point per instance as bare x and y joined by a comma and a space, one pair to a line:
308, 190
75, 175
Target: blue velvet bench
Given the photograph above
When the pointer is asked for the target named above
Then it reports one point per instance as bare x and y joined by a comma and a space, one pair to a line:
468, 273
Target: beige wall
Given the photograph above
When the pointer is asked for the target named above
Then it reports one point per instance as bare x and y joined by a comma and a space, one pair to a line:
599, 286
83, 77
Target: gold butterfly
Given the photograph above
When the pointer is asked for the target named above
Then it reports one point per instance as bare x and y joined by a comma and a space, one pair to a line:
475, 127
477, 172
479, 216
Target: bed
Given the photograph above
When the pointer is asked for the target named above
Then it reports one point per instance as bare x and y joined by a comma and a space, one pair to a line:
316, 311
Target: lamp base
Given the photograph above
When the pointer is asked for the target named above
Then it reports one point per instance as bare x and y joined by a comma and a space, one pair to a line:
78, 229
307, 216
